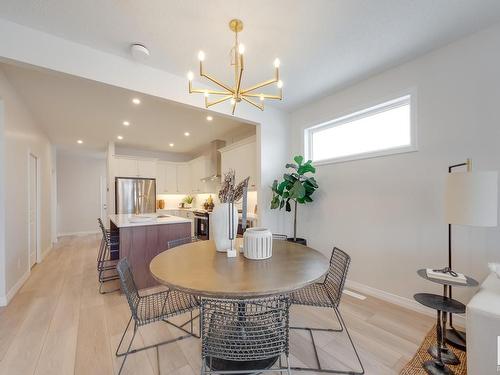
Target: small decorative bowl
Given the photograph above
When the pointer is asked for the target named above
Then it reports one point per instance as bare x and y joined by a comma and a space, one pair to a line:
258, 243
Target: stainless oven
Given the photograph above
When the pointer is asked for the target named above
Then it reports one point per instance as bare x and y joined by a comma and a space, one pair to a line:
201, 225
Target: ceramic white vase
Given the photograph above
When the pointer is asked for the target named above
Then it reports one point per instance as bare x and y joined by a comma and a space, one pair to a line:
219, 221
258, 243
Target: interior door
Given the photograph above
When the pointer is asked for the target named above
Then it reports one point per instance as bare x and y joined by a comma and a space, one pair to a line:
33, 209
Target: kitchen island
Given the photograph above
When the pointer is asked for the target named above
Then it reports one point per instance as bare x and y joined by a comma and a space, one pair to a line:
142, 237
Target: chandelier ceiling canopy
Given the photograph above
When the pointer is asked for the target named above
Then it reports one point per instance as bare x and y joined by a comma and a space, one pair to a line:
235, 93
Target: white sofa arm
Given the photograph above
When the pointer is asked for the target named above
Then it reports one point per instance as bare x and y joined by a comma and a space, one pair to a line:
483, 328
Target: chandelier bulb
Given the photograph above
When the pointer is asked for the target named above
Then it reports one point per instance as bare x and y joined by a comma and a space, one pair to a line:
201, 56
206, 94
241, 49
261, 97
277, 63
280, 84
190, 75
233, 101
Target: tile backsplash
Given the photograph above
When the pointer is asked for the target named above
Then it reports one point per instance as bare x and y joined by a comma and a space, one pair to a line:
173, 200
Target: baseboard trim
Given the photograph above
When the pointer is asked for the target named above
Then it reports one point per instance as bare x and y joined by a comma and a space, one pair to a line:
4, 300
410, 304
84, 233
45, 253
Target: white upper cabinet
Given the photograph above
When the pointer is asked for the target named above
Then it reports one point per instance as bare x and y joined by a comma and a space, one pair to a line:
133, 167
160, 178
242, 157
171, 178
200, 168
125, 167
183, 179
146, 168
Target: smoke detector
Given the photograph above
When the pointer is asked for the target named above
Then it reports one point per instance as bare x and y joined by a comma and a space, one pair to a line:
139, 52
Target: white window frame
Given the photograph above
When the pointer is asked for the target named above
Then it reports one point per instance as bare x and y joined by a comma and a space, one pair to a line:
407, 98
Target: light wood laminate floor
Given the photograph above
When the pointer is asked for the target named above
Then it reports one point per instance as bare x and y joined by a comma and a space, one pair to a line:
59, 324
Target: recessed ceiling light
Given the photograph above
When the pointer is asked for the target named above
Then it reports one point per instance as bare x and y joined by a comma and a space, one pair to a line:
119, 137
126, 123
171, 144
79, 141
187, 134
209, 118
136, 101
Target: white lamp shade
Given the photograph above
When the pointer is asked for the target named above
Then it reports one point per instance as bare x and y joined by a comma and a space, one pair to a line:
471, 198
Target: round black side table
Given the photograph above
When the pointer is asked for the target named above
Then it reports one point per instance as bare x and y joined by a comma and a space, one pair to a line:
452, 336
442, 305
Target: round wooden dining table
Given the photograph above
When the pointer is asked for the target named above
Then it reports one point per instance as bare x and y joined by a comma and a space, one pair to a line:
198, 268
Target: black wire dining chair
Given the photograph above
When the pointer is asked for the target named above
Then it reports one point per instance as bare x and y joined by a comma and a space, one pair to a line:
327, 294
152, 308
244, 331
182, 241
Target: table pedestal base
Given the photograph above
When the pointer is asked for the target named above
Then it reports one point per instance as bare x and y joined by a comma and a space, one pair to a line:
457, 340
227, 365
435, 368
447, 356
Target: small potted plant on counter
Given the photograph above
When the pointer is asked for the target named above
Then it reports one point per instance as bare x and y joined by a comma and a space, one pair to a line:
296, 188
187, 201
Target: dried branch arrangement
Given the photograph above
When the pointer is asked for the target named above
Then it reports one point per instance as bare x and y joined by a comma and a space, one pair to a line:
229, 192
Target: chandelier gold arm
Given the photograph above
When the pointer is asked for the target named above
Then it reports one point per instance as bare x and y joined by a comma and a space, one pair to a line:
210, 78
259, 85
259, 106
210, 92
234, 107
221, 100
266, 96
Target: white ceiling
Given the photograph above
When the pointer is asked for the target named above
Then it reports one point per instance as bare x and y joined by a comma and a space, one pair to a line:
323, 44
71, 108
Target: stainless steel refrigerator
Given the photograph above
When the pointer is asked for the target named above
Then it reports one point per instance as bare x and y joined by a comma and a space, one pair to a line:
135, 195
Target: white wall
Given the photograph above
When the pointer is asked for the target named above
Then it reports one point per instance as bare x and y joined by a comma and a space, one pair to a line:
42, 49
79, 192
21, 136
2, 203
387, 212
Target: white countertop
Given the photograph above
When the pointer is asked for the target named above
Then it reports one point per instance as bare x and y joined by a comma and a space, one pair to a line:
127, 220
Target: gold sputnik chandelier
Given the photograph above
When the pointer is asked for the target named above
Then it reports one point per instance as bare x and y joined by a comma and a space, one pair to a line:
235, 94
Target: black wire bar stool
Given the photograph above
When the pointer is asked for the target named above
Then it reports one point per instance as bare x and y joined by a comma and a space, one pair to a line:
327, 294
244, 336
106, 267
155, 307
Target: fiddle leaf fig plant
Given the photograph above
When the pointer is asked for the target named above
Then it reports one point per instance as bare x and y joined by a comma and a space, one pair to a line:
297, 187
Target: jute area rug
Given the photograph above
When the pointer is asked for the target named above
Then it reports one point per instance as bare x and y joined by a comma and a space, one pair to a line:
414, 367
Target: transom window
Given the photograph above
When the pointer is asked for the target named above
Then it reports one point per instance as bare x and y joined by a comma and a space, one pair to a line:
384, 129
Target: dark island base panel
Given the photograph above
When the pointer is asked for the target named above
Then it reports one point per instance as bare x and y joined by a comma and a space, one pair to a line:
142, 243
